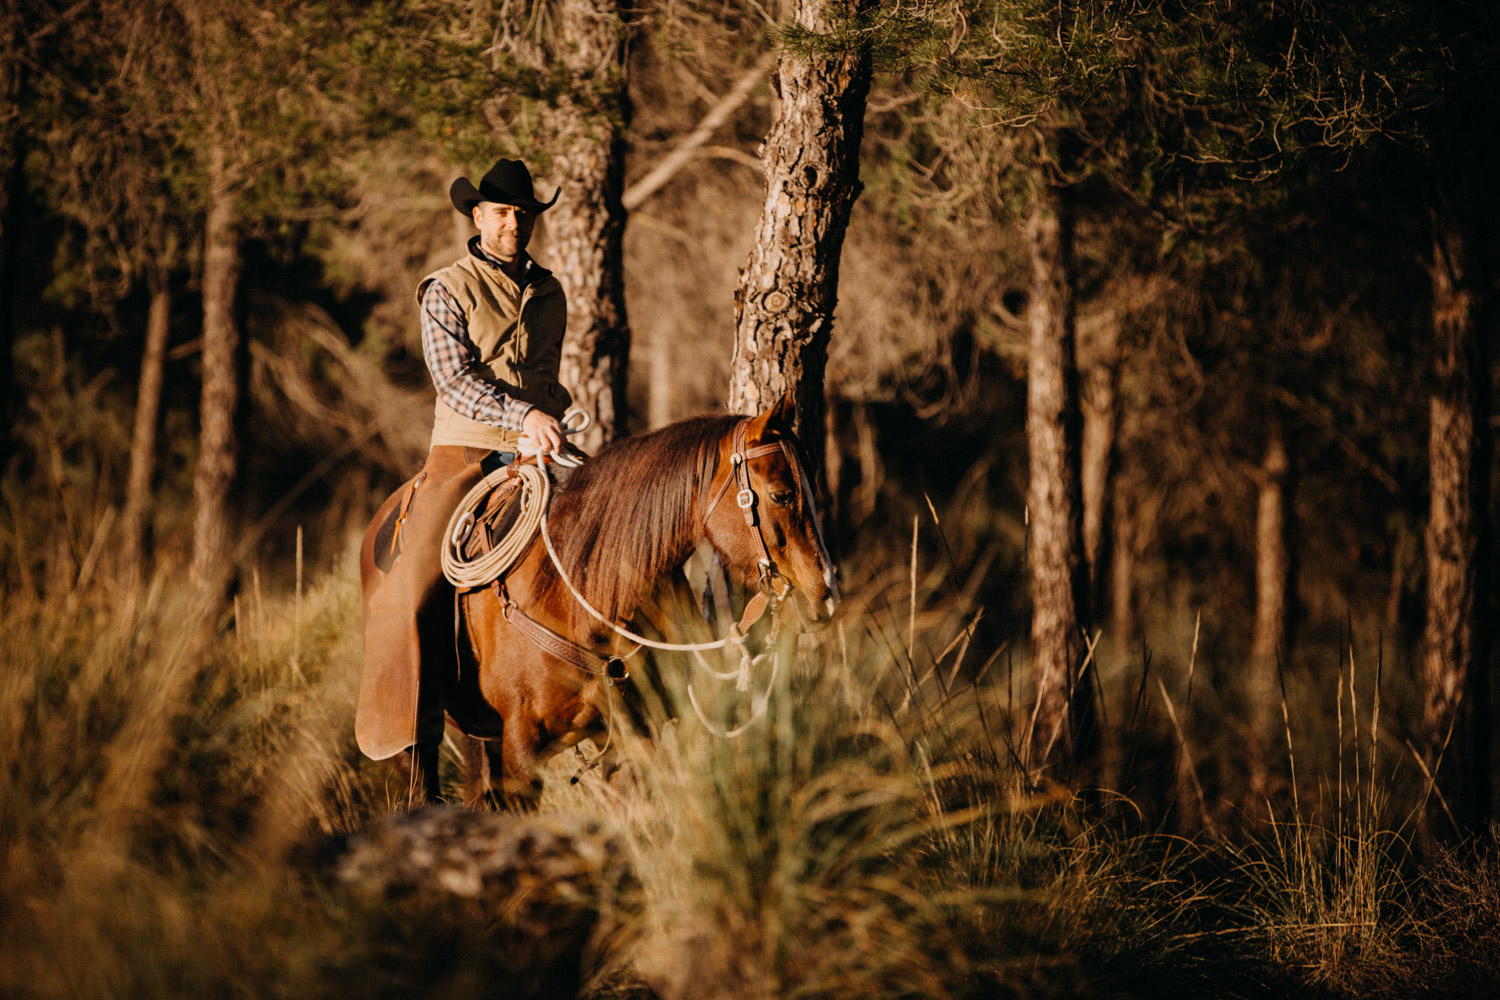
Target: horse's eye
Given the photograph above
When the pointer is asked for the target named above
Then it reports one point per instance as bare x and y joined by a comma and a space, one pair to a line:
783, 498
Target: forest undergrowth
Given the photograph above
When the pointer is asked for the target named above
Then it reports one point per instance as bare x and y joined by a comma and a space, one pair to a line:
164, 790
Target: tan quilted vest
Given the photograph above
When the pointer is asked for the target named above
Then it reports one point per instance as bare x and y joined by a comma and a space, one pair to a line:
519, 335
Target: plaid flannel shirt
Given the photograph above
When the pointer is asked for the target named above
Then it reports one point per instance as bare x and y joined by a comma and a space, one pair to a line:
453, 360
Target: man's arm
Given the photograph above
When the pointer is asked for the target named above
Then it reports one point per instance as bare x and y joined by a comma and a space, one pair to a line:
451, 358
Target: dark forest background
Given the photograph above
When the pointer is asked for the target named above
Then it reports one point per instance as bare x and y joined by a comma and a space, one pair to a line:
1249, 248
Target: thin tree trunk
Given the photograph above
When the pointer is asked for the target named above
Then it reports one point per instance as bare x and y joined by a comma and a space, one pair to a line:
788, 287
218, 444
1402, 555
143, 439
12, 184
1062, 732
1101, 413
1272, 581
1125, 531
663, 381
1454, 719
586, 228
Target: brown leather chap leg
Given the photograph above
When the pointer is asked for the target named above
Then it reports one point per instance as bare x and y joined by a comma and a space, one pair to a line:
408, 620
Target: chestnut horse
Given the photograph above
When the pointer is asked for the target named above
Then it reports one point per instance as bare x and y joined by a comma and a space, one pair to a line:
622, 525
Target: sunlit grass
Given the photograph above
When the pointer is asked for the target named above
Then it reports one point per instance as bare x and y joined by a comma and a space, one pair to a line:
156, 778
869, 837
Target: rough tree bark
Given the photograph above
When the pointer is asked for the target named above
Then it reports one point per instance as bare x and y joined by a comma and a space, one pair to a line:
1063, 731
586, 228
218, 443
143, 438
784, 303
1454, 719
1273, 570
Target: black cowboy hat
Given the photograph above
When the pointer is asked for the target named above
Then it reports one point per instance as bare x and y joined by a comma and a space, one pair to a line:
508, 182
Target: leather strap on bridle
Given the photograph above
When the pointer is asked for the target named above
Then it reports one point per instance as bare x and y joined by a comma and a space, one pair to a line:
739, 474
746, 499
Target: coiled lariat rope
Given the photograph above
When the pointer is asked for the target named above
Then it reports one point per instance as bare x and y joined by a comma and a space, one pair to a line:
478, 572
535, 494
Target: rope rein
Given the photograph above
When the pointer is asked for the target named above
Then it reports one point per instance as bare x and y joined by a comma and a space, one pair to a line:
736, 630
534, 496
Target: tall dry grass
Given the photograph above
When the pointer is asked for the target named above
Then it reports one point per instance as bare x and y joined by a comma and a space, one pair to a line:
156, 779
870, 836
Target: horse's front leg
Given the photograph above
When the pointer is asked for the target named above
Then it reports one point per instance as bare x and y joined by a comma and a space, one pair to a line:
485, 779
476, 773
497, 778
513, 767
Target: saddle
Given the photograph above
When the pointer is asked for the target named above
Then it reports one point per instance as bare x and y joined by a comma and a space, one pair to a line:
493, 517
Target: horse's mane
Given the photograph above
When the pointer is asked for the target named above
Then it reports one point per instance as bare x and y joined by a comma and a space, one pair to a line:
624, 520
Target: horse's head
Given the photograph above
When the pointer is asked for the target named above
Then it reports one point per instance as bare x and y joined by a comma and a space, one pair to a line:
770, 534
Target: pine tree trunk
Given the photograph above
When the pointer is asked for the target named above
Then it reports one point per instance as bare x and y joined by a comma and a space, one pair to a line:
1101, 412
12, 184
662, 381
1063, 729
1272, 583
143, 440
218, 444
1454, 720
1125, 542
784, 303
586, 227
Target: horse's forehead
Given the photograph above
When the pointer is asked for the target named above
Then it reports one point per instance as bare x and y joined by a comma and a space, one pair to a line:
787, 450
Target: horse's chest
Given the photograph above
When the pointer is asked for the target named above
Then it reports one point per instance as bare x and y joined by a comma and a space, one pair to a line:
564, 725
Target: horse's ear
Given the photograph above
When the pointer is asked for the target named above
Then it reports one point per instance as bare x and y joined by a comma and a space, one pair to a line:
782, 416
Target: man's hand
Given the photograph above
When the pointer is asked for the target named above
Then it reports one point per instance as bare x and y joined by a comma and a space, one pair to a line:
543, 429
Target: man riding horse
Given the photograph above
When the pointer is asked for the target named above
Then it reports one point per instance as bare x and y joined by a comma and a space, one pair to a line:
492, 332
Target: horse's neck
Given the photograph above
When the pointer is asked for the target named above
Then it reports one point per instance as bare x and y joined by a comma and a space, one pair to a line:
668, 556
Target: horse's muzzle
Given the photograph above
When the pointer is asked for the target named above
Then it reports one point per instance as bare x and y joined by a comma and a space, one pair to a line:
817, 612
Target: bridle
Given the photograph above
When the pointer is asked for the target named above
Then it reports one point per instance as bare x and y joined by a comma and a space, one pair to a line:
749, 502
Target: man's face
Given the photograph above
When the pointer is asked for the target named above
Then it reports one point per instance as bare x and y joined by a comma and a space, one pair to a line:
504, 230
